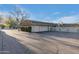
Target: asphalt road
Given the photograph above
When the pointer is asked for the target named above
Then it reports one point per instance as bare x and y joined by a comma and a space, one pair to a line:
10, 45
17, 42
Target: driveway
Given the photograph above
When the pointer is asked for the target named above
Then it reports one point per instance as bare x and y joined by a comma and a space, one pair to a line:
10, 45
18, 42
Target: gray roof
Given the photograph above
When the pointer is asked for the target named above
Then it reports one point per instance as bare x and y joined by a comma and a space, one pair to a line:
39, 23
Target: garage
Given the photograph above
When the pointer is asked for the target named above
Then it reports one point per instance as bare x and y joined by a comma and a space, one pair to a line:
40, 28
35, 26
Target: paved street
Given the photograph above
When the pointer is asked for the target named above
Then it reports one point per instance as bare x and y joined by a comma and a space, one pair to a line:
9, 44
18, 42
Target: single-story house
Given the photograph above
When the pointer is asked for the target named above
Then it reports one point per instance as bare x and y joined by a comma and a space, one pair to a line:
37, 26
67, 28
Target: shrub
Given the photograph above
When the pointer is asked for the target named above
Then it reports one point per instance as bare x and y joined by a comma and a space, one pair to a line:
22, 28
2, 26
27, 29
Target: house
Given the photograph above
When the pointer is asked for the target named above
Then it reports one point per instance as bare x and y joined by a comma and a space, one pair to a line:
37, 26
67, 28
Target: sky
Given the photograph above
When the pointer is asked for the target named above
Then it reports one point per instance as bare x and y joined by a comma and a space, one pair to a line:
56, 13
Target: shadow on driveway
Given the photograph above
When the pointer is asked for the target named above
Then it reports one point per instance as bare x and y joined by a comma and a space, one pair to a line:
62, 34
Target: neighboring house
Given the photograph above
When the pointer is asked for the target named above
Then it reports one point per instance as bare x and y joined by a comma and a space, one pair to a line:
67, 28
36, 26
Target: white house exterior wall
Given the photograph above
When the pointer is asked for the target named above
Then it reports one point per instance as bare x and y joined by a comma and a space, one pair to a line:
65, 29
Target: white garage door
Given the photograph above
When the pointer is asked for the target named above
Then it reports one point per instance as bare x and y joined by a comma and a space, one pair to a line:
43, 28
39, 28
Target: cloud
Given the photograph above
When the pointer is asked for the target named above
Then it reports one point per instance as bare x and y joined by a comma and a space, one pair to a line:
4, 13
55, 13
68, 19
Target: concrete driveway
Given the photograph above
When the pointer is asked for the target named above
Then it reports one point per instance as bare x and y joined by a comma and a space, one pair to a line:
18, 42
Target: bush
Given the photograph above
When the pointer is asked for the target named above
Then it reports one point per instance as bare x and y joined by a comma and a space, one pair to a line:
27, 29
2, 26
22, 28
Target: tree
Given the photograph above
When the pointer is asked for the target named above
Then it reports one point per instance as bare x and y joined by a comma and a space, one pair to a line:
1, 18
10, 22
19, 15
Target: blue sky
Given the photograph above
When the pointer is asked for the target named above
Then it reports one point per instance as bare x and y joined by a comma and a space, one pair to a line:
66, 13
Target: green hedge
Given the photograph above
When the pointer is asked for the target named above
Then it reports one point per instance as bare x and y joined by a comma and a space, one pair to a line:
2, 26
27, 29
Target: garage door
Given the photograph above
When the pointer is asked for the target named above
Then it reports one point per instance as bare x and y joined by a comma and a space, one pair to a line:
39, 28
43, 28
